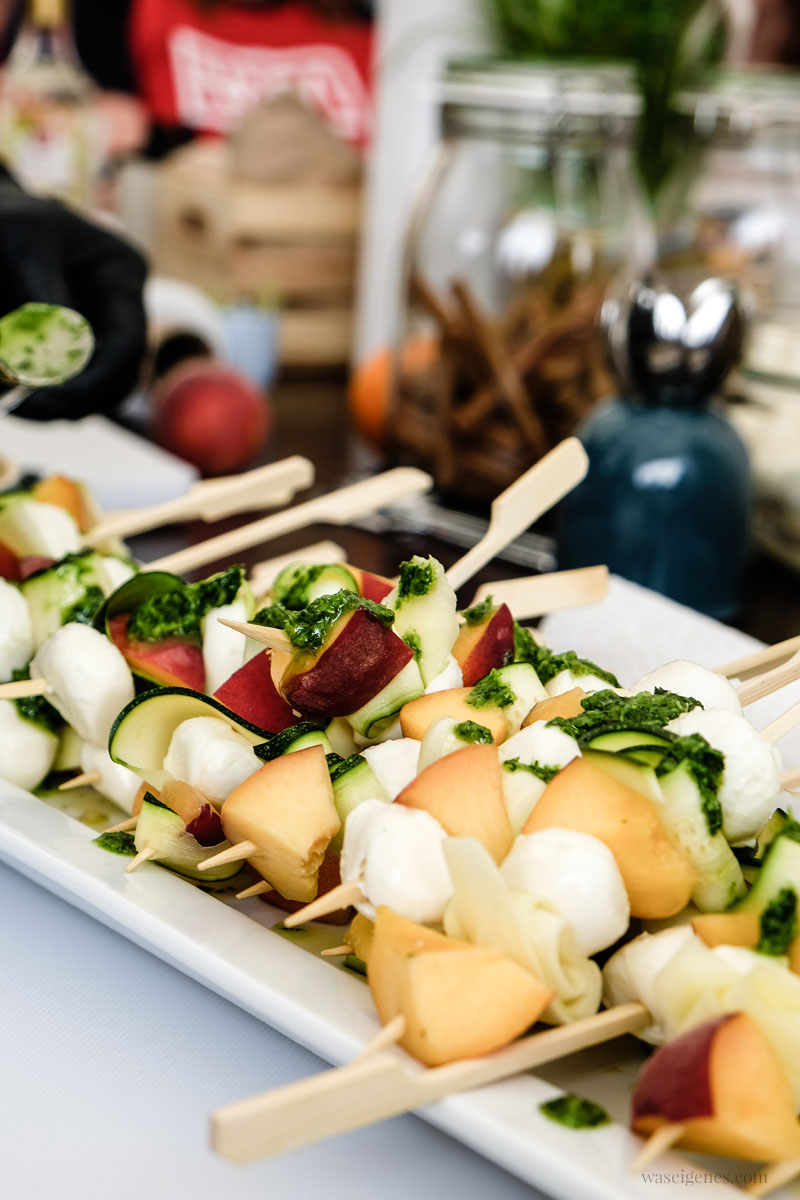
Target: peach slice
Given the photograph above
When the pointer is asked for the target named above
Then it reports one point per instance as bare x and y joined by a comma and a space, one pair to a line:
464, 792
417, 715
568, 704
458, 1000
286, 810
658, 876
356, 661
725, 1086
487, 644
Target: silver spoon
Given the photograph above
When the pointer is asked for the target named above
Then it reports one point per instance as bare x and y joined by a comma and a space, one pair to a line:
41, 345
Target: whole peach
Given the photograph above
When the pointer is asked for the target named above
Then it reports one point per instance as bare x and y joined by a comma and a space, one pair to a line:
210, 415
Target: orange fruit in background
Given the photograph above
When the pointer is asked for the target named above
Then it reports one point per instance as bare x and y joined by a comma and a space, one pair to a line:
369, 392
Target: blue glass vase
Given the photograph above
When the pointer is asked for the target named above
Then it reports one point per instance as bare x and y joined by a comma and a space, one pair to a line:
665, 502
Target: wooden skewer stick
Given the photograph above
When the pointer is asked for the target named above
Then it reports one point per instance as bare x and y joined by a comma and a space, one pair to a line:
339, 897
782, 724
389, 1035
760, 660
237, 853
335, 952
143, 856
537, 490
86, 779
791, 778
212, 499
20, 688
126, 826
773, 1178
770, 681
257, 889
535, 595
384, 1085
659, 1142
336, 508
275, 639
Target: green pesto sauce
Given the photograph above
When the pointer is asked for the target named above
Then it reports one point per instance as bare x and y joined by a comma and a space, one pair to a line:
309, 628
37, 709
354, 963
527, 649
491, 690
295, 594
550, 665
273, 616
479, 612
85, 610
412, 640
705, 765
179, 613
574, 1112
417, 578
778, 924
540, 770
117, 843
44, 343
609, 712
473, 733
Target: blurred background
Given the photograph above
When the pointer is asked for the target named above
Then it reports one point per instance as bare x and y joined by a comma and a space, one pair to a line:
450, 233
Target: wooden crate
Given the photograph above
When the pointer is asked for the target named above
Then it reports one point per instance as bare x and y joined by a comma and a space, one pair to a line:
290, 243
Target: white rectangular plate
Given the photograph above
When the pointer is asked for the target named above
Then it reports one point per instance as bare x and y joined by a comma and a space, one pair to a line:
232, 951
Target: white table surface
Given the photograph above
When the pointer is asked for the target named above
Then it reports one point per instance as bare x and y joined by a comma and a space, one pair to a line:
112, 1061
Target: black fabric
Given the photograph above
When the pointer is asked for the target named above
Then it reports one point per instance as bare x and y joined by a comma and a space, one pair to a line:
49, 253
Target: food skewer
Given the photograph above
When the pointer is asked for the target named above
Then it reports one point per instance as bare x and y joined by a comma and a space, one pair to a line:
770, 681
335, 508
773, 1178
759, 660
384, 1085
535, 595
210, 500
85, 779
542, 486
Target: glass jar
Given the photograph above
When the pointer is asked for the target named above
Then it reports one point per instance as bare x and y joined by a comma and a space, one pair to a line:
744, 206
529, 209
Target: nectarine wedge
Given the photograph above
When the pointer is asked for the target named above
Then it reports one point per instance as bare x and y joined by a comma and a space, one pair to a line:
485, 644
417, 715
725, 1086
459, 1000
568, 704
286, 809
464, 792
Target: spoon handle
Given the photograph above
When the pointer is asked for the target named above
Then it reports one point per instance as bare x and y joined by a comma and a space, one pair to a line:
14, 397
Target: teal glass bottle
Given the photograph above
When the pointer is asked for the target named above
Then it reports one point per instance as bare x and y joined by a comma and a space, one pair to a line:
666, 500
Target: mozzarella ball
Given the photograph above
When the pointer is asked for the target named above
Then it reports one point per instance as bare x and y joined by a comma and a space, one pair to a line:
565, 681
88, 678
206, 753
396, 853
751, 779
542, 743
27, 752
16, 631
394, 763
117, 783
690, 679
34, 527
449, 677
578, 875
223, 648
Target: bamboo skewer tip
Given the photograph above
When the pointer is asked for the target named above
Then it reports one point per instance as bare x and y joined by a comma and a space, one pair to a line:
339, 897
231, 854
124, 826
257, 889
659, 1142
85, 779
144, 855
